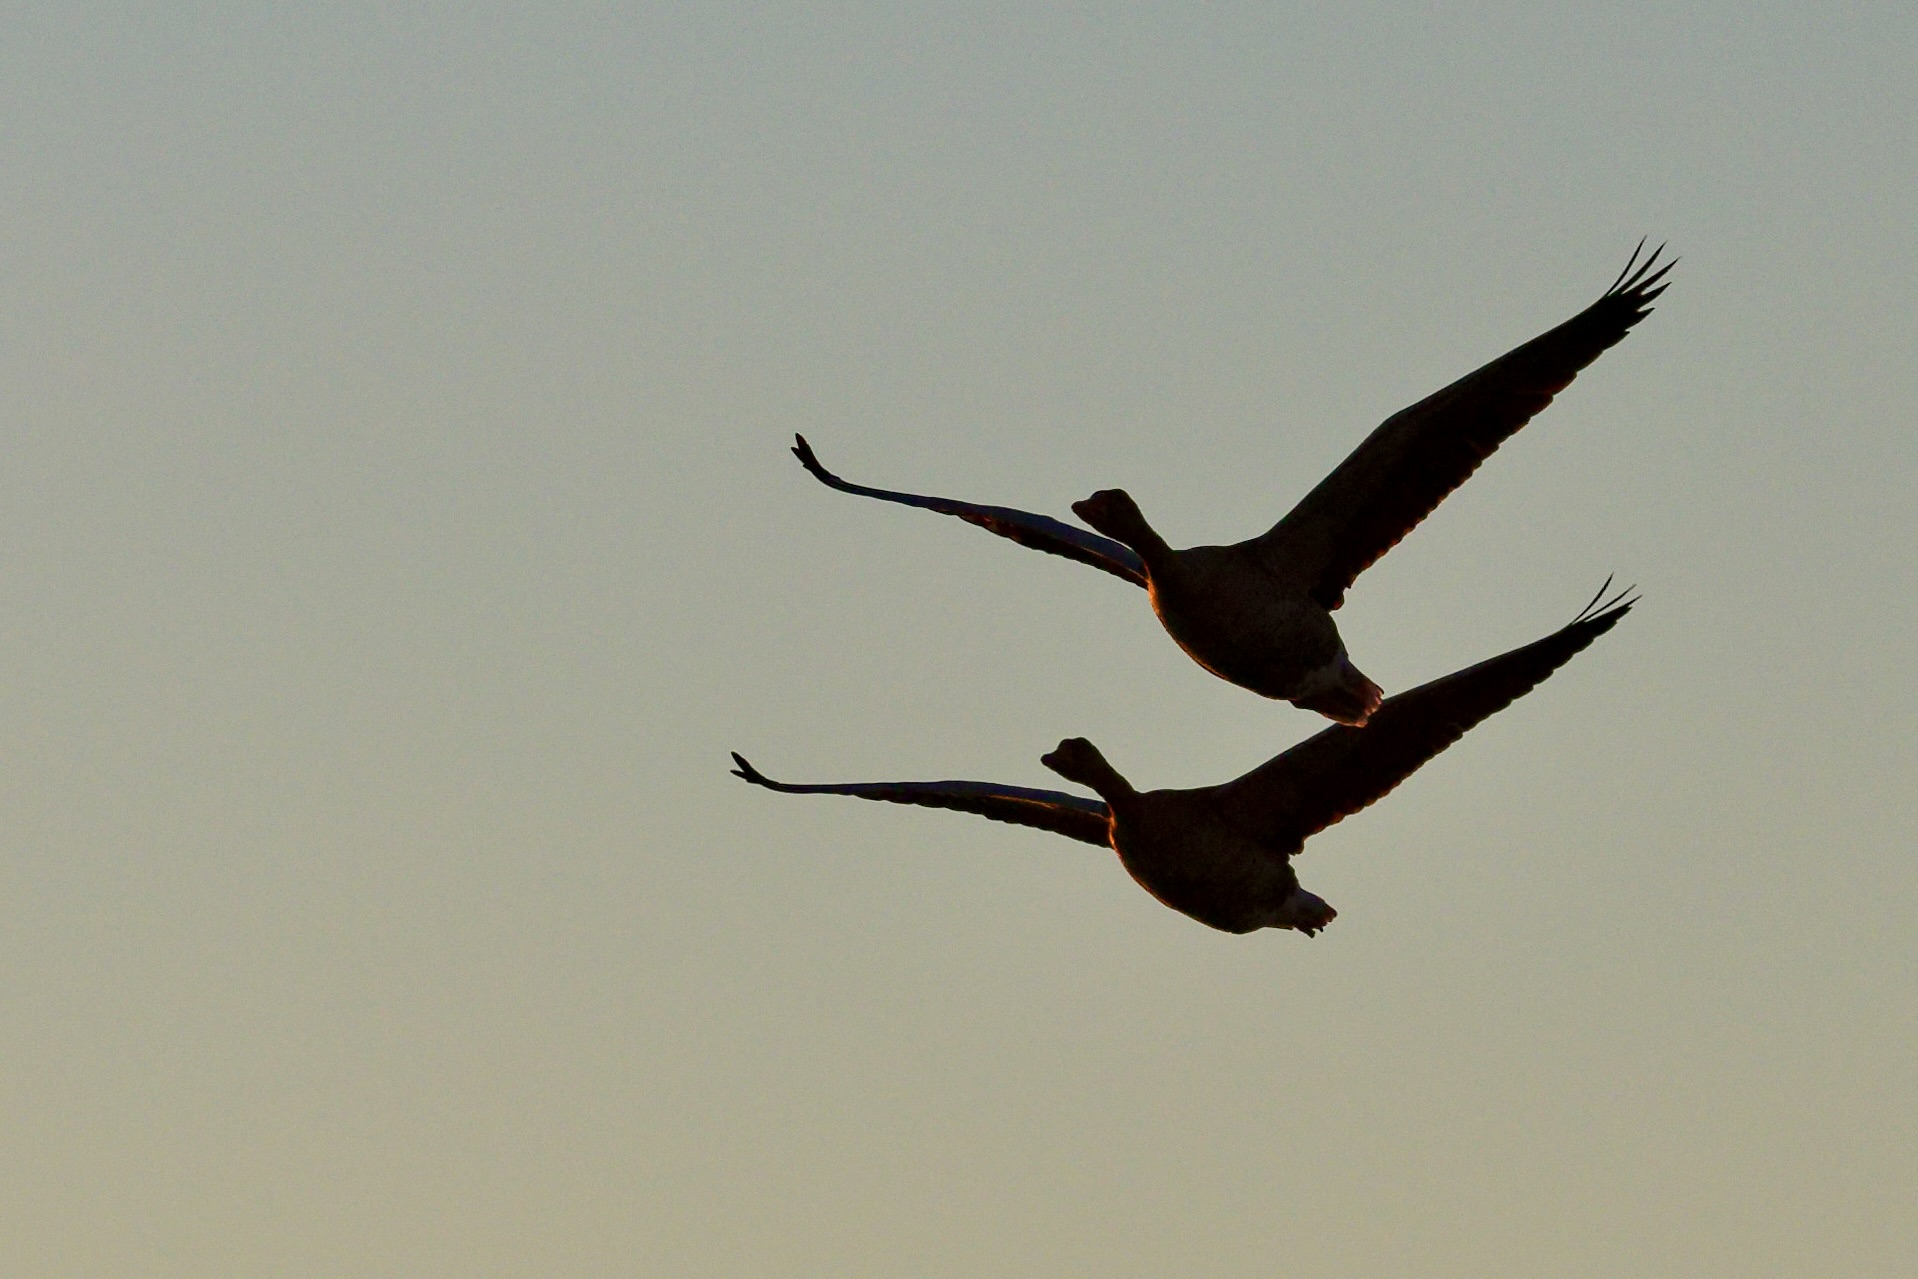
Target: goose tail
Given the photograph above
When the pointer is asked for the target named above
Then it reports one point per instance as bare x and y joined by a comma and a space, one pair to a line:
1347, 696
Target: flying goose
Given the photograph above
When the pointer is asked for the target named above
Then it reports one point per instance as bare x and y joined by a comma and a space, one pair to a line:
1259, 614
1223, 854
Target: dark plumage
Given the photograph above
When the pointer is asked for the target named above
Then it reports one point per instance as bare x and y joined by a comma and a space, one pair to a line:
1223, 854
1259, 613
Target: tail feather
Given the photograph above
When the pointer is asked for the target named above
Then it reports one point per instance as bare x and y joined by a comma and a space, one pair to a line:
1349, 697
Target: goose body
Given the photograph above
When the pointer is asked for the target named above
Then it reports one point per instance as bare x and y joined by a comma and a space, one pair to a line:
1223, 854
1259, 613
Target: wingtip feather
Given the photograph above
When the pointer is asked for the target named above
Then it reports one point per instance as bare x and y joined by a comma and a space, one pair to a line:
1639, 278
1629, 264
808, 459
1604, 612
746, 772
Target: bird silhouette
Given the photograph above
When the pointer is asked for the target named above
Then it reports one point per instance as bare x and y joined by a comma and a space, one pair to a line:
1223, 854
1259, 613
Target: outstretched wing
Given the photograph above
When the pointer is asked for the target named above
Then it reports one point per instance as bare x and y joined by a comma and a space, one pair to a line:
1040, 532
1073, 816
1341, 770
1405, 468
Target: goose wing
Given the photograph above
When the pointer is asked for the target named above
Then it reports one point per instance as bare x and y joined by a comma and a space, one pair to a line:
1040, 532
1405, 468
1073, 816
1341, 770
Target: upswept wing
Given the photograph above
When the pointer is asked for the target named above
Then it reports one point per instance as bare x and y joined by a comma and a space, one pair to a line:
1073, 816
1406, 467
1040, 532
1341, 770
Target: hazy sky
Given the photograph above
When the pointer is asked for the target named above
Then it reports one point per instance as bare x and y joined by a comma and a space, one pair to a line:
397, 529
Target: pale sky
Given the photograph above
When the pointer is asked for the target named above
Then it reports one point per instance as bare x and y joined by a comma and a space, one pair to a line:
397, 530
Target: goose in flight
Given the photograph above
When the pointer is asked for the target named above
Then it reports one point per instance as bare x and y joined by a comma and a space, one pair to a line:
1259, 613
1223, 854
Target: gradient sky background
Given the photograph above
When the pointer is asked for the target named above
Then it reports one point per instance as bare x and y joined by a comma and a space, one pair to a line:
397, 530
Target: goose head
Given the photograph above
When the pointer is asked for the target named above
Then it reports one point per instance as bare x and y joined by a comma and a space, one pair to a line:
1114, 513
1078, 760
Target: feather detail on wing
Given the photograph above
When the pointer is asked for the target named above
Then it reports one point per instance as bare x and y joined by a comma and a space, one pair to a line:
1406, 467
1073, 816
1341, 770
1040, 532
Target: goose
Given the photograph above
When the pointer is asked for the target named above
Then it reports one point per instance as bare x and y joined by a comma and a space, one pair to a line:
1223, 854
1259, 613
